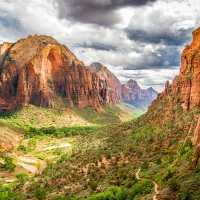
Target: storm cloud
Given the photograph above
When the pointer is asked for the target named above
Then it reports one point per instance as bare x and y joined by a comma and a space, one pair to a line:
10, 26
180, 37
142, 39
98, 46
163, 58
102, 12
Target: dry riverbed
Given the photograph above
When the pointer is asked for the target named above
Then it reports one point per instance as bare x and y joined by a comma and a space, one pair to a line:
30, 163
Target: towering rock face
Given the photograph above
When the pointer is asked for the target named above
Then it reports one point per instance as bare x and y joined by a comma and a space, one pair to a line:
37, 69
185, 88
109, 79
183, 94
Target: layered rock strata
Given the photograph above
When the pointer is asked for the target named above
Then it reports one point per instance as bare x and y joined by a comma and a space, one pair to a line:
37, 69
185, 87
109, 79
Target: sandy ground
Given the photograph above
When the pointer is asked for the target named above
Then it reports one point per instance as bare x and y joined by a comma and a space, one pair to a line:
8, 180
28, 167
57, 146
30, 163
27, 160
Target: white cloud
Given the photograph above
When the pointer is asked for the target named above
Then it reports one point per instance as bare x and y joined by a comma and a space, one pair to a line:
148, 38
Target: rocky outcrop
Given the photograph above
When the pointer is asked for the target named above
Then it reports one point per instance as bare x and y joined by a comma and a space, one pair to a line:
182, 95
195, 130
109, 79
38, 69
185, 88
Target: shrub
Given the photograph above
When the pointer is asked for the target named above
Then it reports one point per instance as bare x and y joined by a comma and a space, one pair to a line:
5, 192
187, 195
21, 147
93, 185
32, 143
158, 161
145, 165
22, 178
40, 194
197, 169
8, 164
173, 185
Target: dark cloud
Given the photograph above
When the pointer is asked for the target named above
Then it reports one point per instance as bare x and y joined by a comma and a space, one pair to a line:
11, 26
101, 12
181, 37
160, 59
99, 46
4, 22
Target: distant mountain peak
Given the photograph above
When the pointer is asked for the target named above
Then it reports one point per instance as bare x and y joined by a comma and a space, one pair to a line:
128, 92
132, 83
96, 67
112, 82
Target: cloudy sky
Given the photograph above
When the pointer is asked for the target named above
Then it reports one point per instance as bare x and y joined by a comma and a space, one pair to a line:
138, 39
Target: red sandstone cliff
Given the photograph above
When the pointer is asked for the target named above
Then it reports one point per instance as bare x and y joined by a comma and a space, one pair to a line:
109, 79
37, 69
182, 95
185, 87
130, 92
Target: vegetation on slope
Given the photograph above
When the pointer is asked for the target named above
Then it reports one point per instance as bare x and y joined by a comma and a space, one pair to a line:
103, 164
140, 104
33, 116
136, 112
14, 125
104, 160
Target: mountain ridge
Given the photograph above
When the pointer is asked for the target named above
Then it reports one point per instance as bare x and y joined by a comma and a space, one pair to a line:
182, 95
129, 92
39, 70
36, 69
163, 144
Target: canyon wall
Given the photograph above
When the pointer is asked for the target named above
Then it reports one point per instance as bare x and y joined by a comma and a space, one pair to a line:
38, 70
130, 92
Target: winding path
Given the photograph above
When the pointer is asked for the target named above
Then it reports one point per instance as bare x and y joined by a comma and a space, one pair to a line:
155, 185
156, 190
137, 174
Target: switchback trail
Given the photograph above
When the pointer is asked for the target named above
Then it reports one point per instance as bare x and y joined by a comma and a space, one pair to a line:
155, 184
